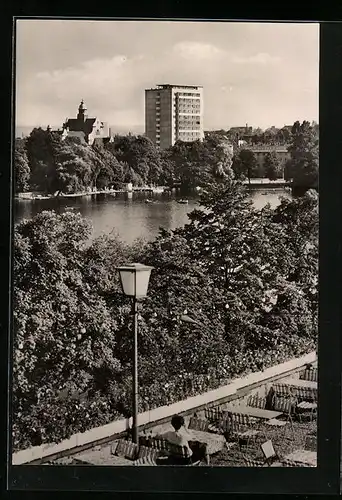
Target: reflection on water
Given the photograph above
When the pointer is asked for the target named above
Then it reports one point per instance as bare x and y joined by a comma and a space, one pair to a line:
130, 217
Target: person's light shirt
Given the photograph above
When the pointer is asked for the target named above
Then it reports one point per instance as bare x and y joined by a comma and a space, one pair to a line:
179, 438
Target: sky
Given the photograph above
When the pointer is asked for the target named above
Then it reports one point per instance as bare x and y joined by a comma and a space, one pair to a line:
262, 74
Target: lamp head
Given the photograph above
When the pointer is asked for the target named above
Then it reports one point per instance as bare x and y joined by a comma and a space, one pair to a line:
134, 279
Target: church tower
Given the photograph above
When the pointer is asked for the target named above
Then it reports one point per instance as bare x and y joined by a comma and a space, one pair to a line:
82, 116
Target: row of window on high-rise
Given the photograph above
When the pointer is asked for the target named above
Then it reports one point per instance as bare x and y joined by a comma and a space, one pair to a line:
187, 134
187, 109
188, 94
184, 102
189, 125
193, 118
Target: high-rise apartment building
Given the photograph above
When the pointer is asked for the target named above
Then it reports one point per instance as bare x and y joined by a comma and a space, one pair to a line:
174, 112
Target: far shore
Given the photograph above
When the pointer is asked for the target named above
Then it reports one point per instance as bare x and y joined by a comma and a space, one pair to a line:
146, 189
36, 196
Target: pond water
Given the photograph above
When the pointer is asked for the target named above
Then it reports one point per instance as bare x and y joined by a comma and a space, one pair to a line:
131, 217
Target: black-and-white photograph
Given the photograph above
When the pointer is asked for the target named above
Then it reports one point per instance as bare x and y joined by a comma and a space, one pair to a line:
165, 243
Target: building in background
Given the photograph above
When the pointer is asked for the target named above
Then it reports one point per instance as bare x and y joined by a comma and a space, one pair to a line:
89, 129
172, 113
260, 153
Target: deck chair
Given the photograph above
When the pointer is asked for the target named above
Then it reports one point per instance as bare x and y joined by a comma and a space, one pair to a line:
269, 452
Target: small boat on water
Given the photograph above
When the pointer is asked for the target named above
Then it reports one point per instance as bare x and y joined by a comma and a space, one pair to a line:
149, 201
183, 202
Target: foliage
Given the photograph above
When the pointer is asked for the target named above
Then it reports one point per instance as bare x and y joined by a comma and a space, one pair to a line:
201, 162
141, 156
21, 167
41, 148
64, 332
303, 165
46, 163
272, 166
244, 164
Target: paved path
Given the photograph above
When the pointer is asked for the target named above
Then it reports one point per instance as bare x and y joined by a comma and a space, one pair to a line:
101, 456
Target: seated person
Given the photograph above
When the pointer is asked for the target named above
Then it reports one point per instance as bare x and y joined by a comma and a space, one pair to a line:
180, 437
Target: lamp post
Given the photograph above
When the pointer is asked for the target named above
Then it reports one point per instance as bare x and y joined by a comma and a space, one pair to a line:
134, 280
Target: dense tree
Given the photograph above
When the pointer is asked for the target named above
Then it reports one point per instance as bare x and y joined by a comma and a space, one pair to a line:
41, 148
284, 135
21, 167
244, 164
272, 166
201, 162
74, 170
140, 154
303, 165
110, 171
241, 252
64, 333
299, 217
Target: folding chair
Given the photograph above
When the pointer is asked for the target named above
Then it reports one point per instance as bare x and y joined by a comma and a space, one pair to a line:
287, 405
310, 374
198, 424
199, 452
269, 452
256, 402
282, 390
239, 427
306, 409
213, 416
148, 453
145, 461
125, 449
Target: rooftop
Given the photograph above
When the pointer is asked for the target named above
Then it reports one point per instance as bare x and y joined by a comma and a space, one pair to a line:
169, 86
